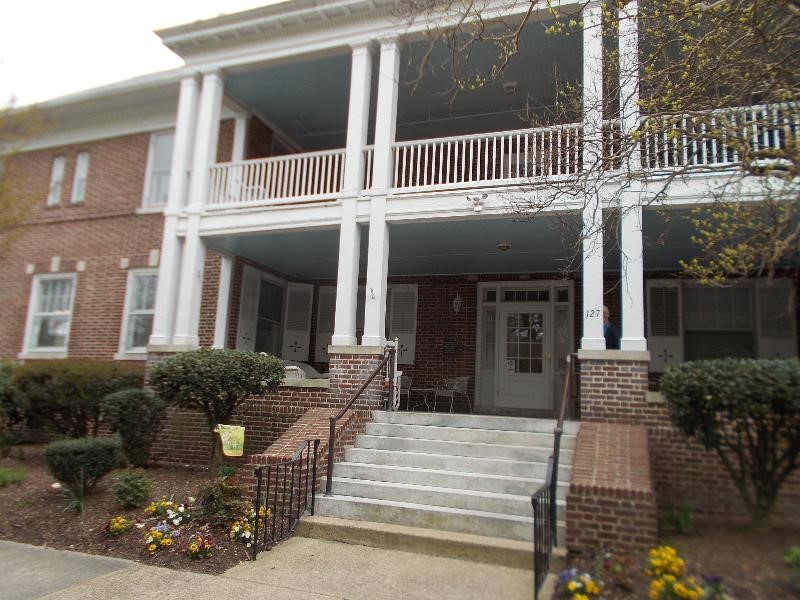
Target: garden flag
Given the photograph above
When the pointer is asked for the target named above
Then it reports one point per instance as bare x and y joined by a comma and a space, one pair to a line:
232, 437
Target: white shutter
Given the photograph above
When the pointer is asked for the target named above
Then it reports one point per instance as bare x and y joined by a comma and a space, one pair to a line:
403, 321
664, 324
248, 310
81, 173
776, 319
326, 314
297, 326
56, 181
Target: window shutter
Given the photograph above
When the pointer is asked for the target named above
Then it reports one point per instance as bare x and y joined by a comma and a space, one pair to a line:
248, 310
403, 321
665, 329
326, 313
81, 173
56, 181
776, 320
297, 327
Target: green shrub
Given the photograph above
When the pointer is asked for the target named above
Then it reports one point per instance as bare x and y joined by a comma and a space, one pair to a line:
792, 560
66, 395
748, 411
79, 464
9, 476
216, 382
221, 502
131, 488
9, 406
136, 415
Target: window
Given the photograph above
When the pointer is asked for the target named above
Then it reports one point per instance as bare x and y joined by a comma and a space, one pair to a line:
139, 309
50, 313
56, 181
159, 162
81, 173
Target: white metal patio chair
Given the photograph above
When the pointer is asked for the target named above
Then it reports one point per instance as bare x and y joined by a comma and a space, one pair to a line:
453, 388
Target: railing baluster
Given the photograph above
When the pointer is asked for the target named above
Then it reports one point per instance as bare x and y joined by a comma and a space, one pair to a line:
425, 167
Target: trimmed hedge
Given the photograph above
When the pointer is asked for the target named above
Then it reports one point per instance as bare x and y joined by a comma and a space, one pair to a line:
66, 395
79, 464
748, 411
137, 415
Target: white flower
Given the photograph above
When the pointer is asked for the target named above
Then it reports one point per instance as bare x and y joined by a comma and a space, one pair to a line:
180, 508
191, 499
176, 521
249, 544
140, 525
55, 486
149, 540
246, 535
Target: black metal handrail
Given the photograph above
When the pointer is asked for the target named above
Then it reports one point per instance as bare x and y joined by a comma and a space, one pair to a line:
544, 500
387, 359
292, 484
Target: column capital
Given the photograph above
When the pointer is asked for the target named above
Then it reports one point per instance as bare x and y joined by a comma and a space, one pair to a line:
363, 47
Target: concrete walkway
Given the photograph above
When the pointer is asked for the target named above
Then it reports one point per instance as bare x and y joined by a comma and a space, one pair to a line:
299, 569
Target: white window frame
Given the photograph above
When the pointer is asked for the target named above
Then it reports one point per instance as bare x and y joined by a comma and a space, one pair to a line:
81, 176
28, 351
57, 170
147, 205
137, 353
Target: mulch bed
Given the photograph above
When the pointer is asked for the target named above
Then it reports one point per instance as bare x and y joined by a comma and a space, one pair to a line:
33, 513
749, 562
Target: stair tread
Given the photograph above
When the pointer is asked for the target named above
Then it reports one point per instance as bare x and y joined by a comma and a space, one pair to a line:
444, 472
447, 490
486, 458
476, 429
458, 443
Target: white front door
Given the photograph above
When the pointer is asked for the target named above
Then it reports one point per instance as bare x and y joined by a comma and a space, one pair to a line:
524, 365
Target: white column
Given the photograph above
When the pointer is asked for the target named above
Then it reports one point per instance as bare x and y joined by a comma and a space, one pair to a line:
386, 116
593, 338
344, 333
191, 287
239, 137
378, 255
169, 266
631, 255
357, 119
223, 302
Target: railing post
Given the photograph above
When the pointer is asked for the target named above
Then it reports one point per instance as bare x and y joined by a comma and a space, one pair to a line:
314, 478
257, 507
331, 437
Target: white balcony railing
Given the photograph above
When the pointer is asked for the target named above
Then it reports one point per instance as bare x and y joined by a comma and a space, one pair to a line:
308, 176
490, 158
704, 139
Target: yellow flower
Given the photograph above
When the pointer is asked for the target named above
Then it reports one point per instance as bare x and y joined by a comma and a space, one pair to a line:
193, 547
152, 547
571, 586
168, 542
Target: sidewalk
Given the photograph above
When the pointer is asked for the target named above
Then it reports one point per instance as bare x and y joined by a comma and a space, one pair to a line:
298, 569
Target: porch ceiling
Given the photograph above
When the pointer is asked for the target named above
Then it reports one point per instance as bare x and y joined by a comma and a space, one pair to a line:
308, 100
451, 247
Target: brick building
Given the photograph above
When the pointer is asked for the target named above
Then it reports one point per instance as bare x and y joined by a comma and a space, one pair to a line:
283, 192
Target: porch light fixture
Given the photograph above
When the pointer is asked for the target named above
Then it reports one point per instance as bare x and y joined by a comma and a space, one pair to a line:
457, 303
503, 246
477, 201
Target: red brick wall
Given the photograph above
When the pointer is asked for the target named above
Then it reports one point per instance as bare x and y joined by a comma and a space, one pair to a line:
684, 473
611, 501
101, 230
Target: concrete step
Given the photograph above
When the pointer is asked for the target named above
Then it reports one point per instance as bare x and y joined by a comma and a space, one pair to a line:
423, 446
464, 546
459, 520
506, 504
474, 421
479, 482
464, 464
460, 434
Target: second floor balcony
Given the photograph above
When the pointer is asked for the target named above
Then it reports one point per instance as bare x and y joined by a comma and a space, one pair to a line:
700, 142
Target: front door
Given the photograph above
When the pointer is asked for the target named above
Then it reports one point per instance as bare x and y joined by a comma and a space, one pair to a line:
524, 366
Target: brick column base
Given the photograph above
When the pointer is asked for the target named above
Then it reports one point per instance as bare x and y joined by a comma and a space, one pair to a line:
613, 386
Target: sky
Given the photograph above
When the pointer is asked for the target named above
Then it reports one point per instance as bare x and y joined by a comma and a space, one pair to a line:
49, 48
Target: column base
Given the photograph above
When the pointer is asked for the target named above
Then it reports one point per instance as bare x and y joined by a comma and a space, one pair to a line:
191, 341
588, 343
633, 344
373, 341
344, 340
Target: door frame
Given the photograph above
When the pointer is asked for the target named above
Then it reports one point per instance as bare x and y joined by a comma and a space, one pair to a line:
551, 285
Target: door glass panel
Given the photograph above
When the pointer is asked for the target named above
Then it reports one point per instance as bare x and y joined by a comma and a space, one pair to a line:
562, 336
524, 339
489, 325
